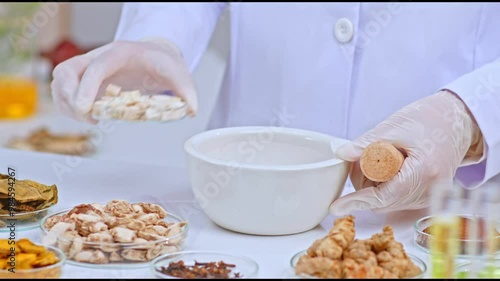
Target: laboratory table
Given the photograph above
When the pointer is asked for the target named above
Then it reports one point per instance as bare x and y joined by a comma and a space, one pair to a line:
81, 180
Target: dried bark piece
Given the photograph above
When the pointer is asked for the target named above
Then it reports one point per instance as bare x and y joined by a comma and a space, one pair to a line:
45, 141
29, 195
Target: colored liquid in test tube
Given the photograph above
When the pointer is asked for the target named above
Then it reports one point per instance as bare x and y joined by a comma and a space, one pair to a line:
445, 246
491, 267
482, 238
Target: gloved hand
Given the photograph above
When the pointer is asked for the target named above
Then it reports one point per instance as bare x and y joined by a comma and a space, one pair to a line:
152, 66
438, 135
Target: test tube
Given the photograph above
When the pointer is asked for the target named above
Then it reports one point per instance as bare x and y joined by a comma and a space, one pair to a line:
491, 245
472, 238
445, 206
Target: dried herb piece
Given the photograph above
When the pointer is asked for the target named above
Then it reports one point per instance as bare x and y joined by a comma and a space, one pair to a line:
29, 195
209, 270
45, 141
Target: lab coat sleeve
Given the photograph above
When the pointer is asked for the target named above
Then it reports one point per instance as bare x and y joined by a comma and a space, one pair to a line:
480, 91
188, 25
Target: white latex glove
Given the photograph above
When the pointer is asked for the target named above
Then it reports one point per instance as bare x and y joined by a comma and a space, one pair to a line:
153, 66
436, 132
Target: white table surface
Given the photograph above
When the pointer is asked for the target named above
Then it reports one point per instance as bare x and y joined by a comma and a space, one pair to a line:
88, 180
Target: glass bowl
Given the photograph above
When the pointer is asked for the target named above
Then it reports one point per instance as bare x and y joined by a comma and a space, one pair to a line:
416, 260
423, 240
112, 254
23, 221
487, 268
246, 267
52, 271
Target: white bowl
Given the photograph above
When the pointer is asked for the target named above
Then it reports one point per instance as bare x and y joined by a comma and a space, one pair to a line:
265, 180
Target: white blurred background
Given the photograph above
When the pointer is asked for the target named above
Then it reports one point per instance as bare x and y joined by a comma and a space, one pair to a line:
89, 25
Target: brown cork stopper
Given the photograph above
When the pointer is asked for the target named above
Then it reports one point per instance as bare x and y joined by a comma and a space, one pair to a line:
381, 161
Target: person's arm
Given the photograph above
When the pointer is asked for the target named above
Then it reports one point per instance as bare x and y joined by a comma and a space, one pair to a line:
188, 25
480, 91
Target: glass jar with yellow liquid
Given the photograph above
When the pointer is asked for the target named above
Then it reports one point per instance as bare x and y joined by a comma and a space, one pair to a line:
18, 51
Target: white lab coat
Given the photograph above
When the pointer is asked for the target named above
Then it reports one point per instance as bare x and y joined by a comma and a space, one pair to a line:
288, 68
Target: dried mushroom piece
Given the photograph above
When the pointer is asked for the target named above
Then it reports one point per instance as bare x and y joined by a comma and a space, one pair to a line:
119, 231
29, 196
43, 140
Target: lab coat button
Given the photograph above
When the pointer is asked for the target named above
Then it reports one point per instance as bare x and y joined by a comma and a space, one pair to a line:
344, 30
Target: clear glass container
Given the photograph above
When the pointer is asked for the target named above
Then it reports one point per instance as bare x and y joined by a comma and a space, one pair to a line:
243, 266
475, 239
423, 238
488, 268
53, 271
19, 26
25, 220
416, 260
148, 250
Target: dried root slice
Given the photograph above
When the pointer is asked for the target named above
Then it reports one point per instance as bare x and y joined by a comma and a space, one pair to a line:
113, 90
91, 256
134, 255
133, 106
381, 161
115, 257
95, 233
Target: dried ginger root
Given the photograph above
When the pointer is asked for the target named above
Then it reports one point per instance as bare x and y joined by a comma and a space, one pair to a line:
359, 261
319, 267
392, 256
339, 255
338, 238
323, 257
